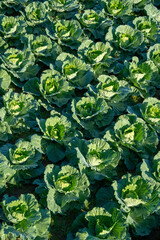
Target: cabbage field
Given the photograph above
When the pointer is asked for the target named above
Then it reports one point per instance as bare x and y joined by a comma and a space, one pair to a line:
79, 119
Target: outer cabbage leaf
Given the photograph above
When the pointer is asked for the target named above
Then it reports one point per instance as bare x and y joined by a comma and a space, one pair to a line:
55, 151
156, 2
152, 11
141, 224
3, 45
43, 225
5, 131
139, 4
6, 174
11, 233
5, 80
88, 4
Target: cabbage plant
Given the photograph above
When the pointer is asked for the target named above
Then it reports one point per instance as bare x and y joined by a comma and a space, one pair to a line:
96, 52
67, 32
144, 76
100, 55
95, 22
125, 37
74, 69
20, 156
136, 135
139, 198
117, 8
150, 110
35, 13
21, 64
68, 188
154, 54
96, 157
103, 224
92, 114
148, 27
56, 128
63, 5
24, 218
151, 169
12, 27
134, 191
55, 88
18, 108
43, 48
115, 92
